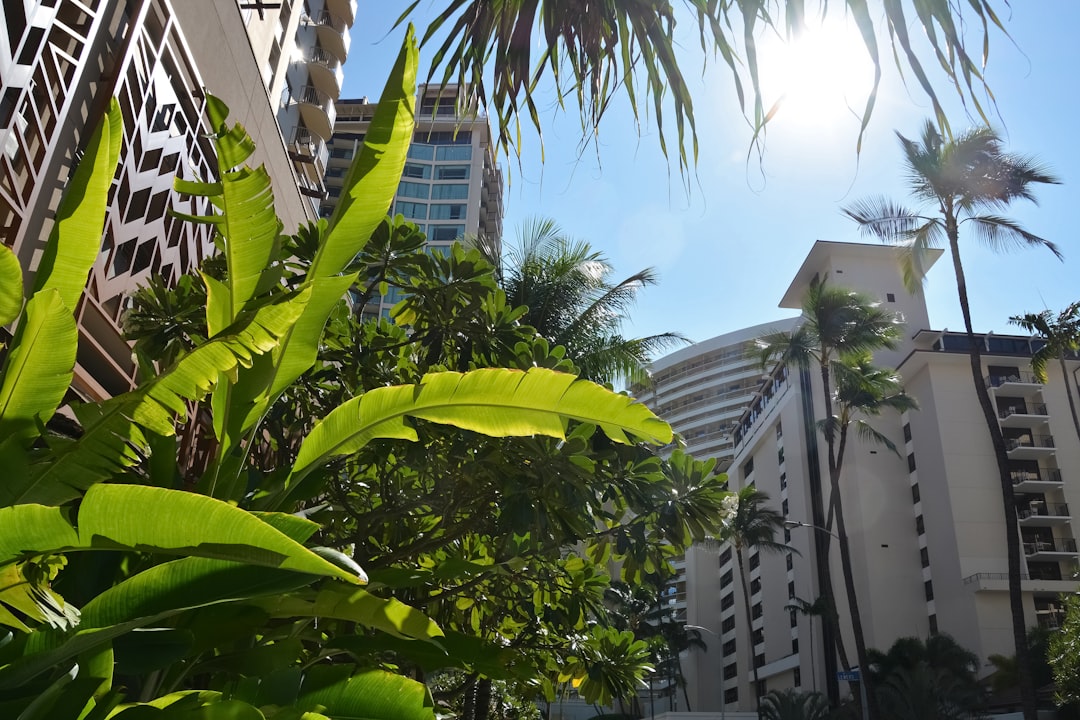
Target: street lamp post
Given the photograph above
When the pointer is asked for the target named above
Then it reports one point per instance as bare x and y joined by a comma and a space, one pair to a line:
863, 699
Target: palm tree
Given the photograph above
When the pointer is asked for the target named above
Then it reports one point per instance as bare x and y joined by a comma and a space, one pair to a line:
789, 704
1062, 335
752, 526
565, 285
862, 390
935, 679
837, 322
963, 181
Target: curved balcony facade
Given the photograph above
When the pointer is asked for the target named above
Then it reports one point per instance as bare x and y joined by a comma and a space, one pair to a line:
333, 33
345, 9
317, 110
325, 71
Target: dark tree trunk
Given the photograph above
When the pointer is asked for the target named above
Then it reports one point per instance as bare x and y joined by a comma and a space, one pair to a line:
468, 705
750, 630
849, 577
825, 537
482, 708
997, 439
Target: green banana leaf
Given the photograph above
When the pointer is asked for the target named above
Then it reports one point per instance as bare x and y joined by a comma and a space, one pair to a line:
39, 366
152, 519
335, 692
348, 603
496, 402
113, 439
11, 287
75, 239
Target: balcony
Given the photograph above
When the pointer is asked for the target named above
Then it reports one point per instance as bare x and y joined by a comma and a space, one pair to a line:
1023, 415
1029, 447
311, 188
333, 33
1051, 550
1042, 514
308, 148
325, 71
1038, 480
1015, 382
317, 110
345, 9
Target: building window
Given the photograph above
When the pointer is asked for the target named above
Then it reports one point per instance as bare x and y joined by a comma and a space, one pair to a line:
759, 661
755, 586
790, 562
780, 456
747, 468
924, 555
798, 678
411, 210
725, 557
784, 507
729, 647
450, 192
726, 578
794, 646
415, 170
443, 211
791, 589
933, 624
758, 636
730, 671
421, 152
452, 172
794, 618
911, 462
889, 297
454, 152
731, 696
414, 190
755, 612
728, 625
341, 153
445, 233
779, 431
920, 526
915, 497
907, 432
787, 535
928, 587
783, 480
727, 601
755, 560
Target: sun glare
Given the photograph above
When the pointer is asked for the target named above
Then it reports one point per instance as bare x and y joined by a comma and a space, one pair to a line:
819, 77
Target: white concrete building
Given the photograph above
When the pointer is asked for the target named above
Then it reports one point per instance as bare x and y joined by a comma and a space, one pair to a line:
926, 526
451, 186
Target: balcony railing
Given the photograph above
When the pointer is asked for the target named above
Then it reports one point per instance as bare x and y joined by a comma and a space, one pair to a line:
1058, 545
306, 146
1051, 475
310, 95
1041, 509
340, 28
331, 65
1029, 441
1029, 409
1025, 378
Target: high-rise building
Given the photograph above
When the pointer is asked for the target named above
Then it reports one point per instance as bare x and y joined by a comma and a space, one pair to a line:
925, 523
61, 61
452, 186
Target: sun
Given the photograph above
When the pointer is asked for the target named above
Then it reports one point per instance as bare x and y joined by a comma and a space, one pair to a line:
817, 78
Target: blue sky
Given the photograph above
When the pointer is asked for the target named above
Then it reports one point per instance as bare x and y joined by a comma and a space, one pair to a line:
727, 248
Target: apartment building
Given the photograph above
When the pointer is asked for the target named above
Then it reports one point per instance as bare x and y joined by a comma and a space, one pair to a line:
926, 524
452, 186
61, 61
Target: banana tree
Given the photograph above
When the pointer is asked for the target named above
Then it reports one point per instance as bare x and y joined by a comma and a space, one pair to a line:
122, 596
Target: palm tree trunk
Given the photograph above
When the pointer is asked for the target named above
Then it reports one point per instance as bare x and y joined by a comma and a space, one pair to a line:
997, 439
1069, 394
482, 708
825, 574
749, 629
849, 577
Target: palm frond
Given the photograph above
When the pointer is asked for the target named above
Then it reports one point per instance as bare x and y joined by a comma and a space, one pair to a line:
1001, 234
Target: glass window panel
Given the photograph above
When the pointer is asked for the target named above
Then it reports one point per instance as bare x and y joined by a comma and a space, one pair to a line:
454, 152
445, 233
452, 172
411, 210
413, 190
442, 211
450, 192
421, 152
416, 170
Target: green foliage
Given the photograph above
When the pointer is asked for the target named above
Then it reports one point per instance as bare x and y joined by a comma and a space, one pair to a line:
449, 450
594, 53
790, 704
935, 678
1064, 653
